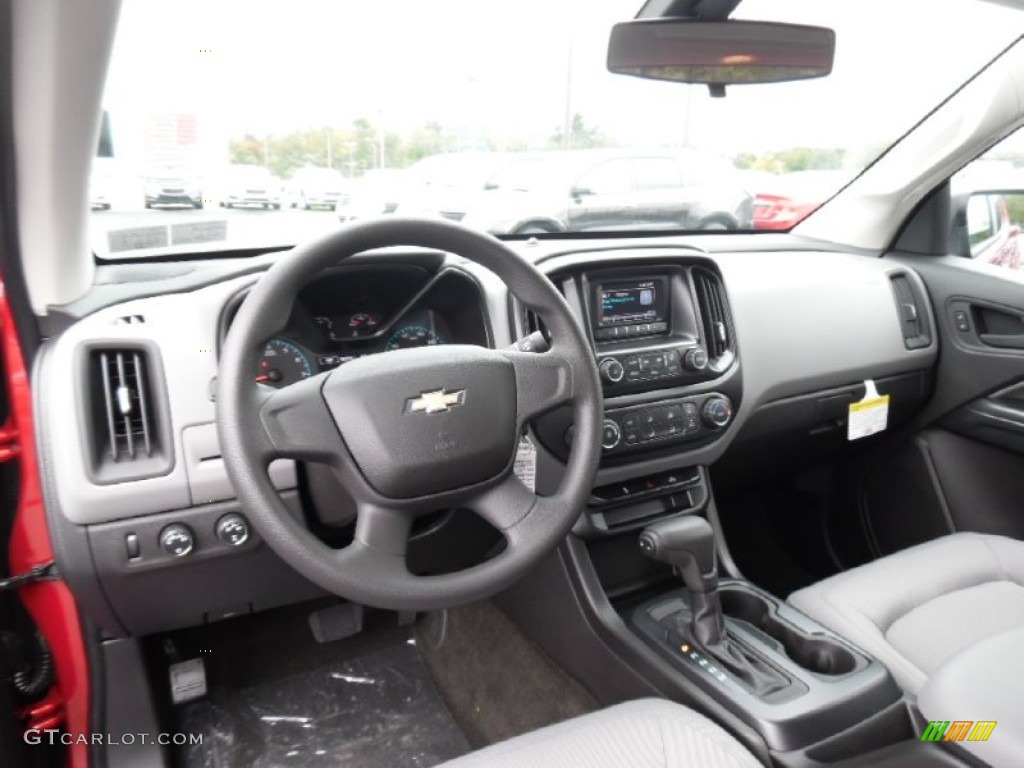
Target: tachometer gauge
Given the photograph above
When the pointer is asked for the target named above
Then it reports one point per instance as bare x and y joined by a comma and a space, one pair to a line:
362, 320
283, 363
412, 336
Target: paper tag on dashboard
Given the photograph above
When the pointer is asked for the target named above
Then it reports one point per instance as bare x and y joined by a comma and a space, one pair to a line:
188, 680
870, 415
526, 463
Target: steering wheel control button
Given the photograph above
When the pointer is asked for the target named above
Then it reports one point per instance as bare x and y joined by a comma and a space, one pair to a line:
611, 435
717, 412
232, 529
612, 370
177, 540
695, 359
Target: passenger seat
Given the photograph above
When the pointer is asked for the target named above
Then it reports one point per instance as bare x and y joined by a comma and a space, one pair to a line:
913, 610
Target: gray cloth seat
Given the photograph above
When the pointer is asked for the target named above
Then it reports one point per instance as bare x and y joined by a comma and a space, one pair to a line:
647, 733
987, 679
915, 609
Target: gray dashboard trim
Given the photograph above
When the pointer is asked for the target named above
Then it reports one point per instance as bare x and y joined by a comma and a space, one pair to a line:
183, 326
839, 306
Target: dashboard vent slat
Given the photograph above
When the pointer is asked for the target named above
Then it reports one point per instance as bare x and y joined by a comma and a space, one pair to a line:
716, 325
128, 424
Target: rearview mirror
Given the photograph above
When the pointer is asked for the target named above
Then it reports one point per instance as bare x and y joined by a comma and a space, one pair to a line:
720, 53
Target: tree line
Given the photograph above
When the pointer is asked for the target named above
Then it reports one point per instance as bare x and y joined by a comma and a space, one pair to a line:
362, 146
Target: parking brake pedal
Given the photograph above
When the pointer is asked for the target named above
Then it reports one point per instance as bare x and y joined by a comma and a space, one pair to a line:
336, 622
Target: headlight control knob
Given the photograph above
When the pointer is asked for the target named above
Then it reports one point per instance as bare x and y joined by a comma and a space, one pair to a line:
177, 540
232, 529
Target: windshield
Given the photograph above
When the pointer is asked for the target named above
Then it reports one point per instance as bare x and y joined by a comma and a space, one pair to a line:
238, 125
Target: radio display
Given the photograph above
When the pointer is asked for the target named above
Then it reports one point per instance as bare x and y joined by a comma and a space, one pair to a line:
642, 301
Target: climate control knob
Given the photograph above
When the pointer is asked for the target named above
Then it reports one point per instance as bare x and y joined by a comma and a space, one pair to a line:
177, 540
611, 435
716, 412
695, 359
611, 370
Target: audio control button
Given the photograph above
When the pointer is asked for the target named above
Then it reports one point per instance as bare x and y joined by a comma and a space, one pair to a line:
695, 359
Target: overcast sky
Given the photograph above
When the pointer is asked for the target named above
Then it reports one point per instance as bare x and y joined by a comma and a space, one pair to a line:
504, 67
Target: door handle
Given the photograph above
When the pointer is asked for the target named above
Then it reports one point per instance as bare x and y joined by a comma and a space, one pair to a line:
1003, 340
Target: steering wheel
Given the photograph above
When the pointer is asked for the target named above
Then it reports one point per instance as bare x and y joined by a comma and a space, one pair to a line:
409, 432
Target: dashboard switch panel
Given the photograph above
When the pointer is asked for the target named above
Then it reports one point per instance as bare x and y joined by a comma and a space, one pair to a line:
686, 418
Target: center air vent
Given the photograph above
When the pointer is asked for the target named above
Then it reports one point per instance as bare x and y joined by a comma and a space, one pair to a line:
126, 414
716, 323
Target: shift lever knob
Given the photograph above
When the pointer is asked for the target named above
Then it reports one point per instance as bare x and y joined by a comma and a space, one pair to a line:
688, 545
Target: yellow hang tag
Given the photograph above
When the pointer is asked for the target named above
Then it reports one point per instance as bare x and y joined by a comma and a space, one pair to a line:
870, 415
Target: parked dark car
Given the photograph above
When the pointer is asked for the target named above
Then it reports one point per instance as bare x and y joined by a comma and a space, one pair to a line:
592, 190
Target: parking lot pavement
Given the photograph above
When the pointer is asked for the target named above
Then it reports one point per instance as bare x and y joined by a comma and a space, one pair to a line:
139, 232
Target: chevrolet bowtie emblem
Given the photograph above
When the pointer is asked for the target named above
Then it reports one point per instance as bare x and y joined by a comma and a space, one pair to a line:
435, 402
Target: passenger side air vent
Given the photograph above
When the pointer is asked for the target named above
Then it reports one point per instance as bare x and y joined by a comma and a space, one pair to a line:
127, 427
715, 320
912, 312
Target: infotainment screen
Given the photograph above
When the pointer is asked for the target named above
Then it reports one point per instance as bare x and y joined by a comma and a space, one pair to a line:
642, 301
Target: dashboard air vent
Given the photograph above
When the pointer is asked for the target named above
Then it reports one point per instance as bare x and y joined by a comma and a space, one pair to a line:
127, 425
911, 310
716, 324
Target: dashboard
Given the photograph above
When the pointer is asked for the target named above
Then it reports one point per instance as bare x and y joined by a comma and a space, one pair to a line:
688, 342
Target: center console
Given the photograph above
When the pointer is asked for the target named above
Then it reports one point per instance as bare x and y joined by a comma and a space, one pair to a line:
785, 675
665, 347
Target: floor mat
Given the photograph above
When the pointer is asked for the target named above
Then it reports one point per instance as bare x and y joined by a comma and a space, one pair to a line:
376, 710
496, 682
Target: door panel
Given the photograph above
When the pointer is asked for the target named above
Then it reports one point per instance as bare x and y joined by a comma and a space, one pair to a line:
971, 434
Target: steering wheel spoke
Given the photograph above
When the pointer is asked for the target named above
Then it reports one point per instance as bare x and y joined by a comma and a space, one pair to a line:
384, 530
543, 382
297, 424
506, 504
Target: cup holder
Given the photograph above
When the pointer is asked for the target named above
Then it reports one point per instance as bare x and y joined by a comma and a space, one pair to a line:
816, 654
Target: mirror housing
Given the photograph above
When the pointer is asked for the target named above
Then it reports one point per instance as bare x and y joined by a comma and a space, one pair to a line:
720, 53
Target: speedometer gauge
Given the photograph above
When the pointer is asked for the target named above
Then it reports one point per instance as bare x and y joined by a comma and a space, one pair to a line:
282, 363
413, 336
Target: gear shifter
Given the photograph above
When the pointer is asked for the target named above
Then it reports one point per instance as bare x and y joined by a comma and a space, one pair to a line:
688, 545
